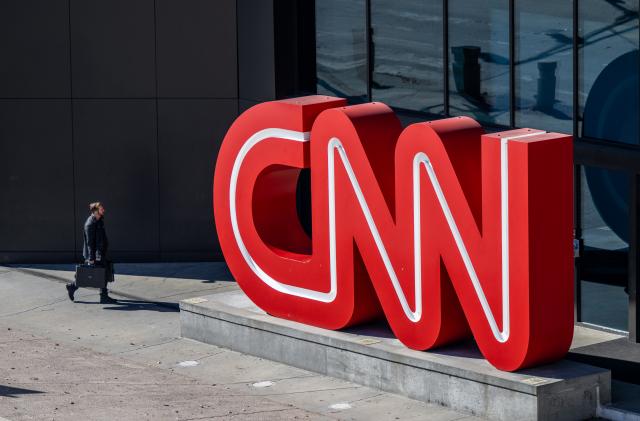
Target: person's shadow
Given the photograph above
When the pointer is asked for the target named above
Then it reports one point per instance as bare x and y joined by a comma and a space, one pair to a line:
135, 305
15, 392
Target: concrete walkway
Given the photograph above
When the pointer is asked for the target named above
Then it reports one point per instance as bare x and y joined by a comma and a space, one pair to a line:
163, 283
127, 361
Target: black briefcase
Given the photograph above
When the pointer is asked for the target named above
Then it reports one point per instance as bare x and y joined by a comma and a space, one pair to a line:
92, 276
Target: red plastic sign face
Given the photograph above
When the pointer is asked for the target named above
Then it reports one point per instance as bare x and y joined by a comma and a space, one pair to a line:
445, 231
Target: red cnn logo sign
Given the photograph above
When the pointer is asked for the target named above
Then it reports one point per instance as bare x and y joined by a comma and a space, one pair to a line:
444, 230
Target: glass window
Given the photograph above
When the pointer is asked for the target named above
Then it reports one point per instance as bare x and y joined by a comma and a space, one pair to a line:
543, 64
479, 60
341, 49
608, 83
407, 54
605, 232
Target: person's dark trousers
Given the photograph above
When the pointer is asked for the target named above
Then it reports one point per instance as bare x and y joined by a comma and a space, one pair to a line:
104, 292
71, 290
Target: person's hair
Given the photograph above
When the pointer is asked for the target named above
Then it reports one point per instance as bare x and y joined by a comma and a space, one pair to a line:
93, 207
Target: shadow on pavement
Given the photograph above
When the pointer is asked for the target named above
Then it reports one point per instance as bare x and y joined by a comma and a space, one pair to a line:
382, 330
135, 305
208, 272
466, 349
14, 392
377, 329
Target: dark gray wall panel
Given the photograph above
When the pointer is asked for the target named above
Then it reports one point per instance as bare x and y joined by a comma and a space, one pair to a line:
190, 134
256, 61
244, 105
113, 48
57, 257
197, 48
116, 162
105, 52
34, 49
192, 256
36, 177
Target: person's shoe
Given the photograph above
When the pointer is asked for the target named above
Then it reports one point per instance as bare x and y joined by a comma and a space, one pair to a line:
105, 299
71, 290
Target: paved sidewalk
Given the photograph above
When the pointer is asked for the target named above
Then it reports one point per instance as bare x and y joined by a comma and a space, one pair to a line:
127, 361
43, 379
164, 283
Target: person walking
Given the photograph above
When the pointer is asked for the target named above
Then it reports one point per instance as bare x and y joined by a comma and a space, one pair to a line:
94, 249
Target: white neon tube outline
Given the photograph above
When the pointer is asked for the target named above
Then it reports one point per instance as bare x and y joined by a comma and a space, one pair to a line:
419, 159
325, 297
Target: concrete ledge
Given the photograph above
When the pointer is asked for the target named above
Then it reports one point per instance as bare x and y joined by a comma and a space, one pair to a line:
457, 377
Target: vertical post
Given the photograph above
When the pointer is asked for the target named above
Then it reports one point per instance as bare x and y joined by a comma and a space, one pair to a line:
370, 50
634, 256
634, 253
577, 202
445, 55
577, 237
512, 67
576, 68
308, 44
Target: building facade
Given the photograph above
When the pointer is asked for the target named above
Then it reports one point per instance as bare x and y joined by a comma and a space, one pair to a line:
570, 67
128, 101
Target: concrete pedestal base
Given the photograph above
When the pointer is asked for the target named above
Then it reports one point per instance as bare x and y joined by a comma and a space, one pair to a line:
456, 376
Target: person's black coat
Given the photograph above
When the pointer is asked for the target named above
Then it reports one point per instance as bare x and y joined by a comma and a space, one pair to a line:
95, 239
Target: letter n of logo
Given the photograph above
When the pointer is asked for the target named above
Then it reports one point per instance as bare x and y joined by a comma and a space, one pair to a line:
446, 231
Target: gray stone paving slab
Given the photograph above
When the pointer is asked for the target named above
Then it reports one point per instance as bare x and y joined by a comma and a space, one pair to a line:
144, 338
53, 381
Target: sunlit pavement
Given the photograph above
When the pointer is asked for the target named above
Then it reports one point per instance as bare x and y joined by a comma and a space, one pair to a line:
126, 361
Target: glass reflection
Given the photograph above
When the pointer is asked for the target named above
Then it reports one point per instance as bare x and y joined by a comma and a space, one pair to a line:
608, 53
407, 54
605, 231
479, 57
543, 64
341, 49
